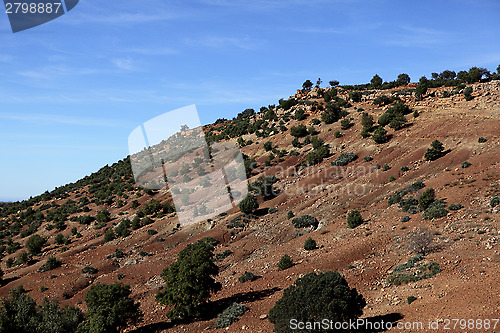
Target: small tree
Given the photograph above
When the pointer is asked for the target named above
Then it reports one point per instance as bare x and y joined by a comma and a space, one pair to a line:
249, 204
307, 85
419, 241
468, 93
285, 262
110, 309
298, 131
376, 81
310, 244
354, 218
189, 281
35, 244
268, 146
426, 199
379, 135
313, 296
435, 151
403, 79
355, 96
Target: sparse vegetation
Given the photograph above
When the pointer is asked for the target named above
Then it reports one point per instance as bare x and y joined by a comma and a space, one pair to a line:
354, 219
230, 315
419, 241
285, 262
305, 221
310, 244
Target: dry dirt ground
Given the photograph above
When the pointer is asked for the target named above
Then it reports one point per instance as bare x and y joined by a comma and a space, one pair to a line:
466, 242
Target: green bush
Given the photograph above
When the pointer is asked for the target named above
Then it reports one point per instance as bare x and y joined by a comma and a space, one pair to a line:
455, 207
368, 158
379, 135
223, 255
109, 235
465, 164
345, 124
194, 263
385, 167
305, 221
344, 159
355, 96
435, 210
248, 276
391, 179
411, 299
268, 146
495, 201
426, 199
310, 244
110, 309
290, 214
481, 140
317, 155
405, 218
90, 270
303, 301
35, 244
249, 204
354, 218
468, 93
20, 313
298, 131
50, 264
285, 262
230, 315
404, 168
337, 134
435, 152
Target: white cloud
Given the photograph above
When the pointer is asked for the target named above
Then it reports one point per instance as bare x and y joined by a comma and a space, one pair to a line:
126, 64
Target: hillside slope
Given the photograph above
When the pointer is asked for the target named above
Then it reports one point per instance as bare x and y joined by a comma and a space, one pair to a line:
465, 241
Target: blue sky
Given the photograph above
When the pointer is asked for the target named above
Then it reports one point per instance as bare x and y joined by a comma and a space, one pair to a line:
73, 89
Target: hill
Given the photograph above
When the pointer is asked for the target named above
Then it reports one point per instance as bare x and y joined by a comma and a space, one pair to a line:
327, 158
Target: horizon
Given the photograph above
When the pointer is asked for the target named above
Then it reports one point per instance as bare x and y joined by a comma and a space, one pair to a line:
74, 88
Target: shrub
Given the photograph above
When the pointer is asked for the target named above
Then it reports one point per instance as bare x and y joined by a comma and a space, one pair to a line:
354, 218
290, 214
109, 235
465, 164
368, 158
317, 155
367, 121
345, 124
272, 210
90, 270
305, 221
20, 313
344, 159
50, 264
379, 135
35, 244
194, 263
419, 241
268, 146
411, 299
285, 262
416, 114
303, 302
337, 134
248, 276
436, 210
455, 207
249, 204
405, 218
385, 167
405, 168
355, 96
223, 255
391, 179
435, 152
310, 244
110, 309
468, 93
495, 201
425, 200
298, 131
230, 315
481, 140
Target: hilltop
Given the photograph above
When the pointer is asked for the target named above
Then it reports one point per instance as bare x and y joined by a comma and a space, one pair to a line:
324, 152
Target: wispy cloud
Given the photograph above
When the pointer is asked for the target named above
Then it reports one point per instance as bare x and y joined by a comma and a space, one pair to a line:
151, 51
46, 119
53, 71
417, 37
126, 64
220, 42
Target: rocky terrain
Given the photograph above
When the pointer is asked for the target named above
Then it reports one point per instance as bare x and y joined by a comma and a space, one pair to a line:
466, 242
